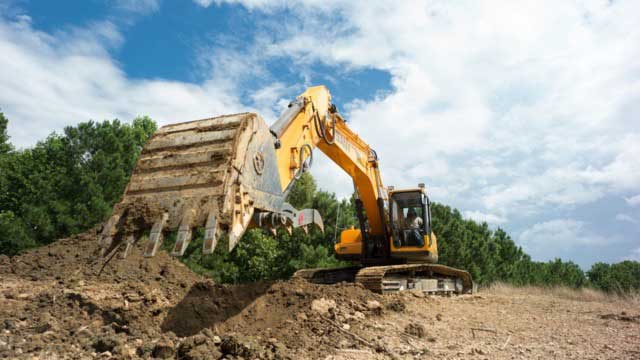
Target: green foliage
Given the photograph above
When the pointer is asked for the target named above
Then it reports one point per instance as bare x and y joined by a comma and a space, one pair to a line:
260, 255
492, 255
621, 277
13, 234
68, 183
5, 146
301, 194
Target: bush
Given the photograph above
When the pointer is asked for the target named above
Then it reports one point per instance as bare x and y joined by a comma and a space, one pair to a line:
622, 277
13, 234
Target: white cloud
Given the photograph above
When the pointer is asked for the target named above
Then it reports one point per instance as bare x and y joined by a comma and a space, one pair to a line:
518, 106
549, 239
50, 81
203, 3
633, 201
484, 217
627, 218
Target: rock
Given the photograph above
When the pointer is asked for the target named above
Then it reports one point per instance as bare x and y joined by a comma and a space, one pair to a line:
301, 316
346, 326
374, 306
439, 317
397, 306
415, 329
202, 352
199, 347
163, 350
323, 306
105, 344
124, 350
239, 346
83, 332
10, 324
276, 350
207, 332
44, 327
359, 315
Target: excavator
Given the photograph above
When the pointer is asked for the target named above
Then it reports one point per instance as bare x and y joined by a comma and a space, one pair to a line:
233, 172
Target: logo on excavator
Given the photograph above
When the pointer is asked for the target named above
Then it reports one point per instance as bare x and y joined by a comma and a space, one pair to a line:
348, 147
300, 219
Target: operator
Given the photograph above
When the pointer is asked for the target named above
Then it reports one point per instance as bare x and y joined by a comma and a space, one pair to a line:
413, 221
414, 225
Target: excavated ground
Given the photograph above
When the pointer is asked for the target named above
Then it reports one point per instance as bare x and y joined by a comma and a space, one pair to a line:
53, 305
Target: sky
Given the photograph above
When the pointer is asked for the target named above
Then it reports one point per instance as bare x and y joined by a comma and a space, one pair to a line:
523, 114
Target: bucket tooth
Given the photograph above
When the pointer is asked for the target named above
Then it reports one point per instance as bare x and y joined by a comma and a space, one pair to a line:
184, 234
242, 214
156, 237
131, 239
210, 236
106, 237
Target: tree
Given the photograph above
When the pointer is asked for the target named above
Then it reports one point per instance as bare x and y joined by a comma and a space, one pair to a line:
13, 234
68, 183
621, 277
5, 146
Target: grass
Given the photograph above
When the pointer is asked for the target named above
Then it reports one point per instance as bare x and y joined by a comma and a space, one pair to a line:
562, 292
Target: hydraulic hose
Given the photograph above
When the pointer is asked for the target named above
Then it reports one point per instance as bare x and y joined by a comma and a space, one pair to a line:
321, 129
305, 164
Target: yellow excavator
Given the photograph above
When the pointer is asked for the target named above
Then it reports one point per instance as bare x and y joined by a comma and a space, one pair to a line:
233, 172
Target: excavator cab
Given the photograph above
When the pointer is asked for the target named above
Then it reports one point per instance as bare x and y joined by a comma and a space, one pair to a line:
410, 222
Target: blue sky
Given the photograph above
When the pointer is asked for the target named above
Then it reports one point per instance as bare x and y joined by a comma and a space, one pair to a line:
521, 114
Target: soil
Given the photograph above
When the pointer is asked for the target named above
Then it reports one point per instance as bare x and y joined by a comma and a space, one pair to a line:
54, 305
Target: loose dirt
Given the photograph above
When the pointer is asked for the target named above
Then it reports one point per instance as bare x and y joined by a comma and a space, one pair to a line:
54, 305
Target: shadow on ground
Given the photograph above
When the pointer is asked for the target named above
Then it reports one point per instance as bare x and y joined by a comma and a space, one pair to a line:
207, 304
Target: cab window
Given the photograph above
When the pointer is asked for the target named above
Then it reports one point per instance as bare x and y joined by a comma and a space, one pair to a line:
409, 219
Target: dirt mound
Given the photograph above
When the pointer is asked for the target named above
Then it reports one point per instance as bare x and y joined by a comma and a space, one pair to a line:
53, 304
157, 307
78, 258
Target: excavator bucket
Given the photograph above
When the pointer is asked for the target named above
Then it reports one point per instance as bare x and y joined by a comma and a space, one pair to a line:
219, 173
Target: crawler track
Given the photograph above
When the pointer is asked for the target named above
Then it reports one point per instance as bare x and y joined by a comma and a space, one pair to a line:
373, 278
376, 278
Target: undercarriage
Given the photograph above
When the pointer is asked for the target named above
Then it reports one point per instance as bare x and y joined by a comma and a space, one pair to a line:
426, 278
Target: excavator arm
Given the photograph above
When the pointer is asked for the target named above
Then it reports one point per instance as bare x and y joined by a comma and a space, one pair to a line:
313, 122
232, 172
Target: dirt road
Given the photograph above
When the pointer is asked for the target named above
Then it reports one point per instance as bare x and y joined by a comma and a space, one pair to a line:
52, 305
